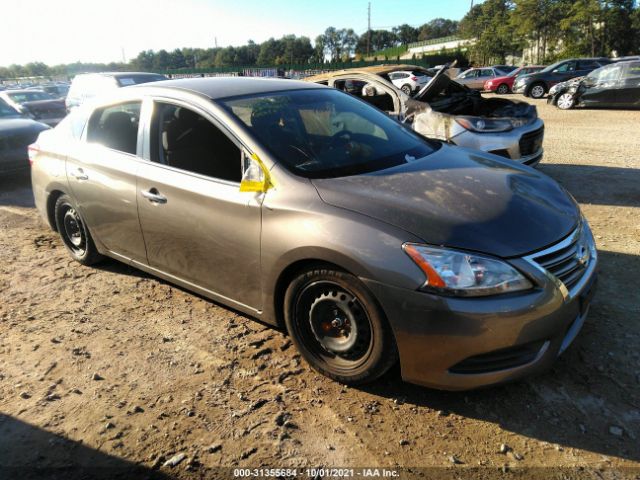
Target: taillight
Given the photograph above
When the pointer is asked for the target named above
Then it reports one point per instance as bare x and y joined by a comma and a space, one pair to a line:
32, 152
414, 78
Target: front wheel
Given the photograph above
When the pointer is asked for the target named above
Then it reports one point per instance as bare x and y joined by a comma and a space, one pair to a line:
565, 101
502, 89
537, 91
74, 233
337, 326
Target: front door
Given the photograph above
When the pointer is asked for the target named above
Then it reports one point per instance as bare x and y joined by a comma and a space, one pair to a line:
197, 225
102, 176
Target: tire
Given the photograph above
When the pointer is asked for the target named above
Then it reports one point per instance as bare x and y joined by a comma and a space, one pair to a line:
407, 89
355, 347
537, 90
502, 89
565, 101
74, 232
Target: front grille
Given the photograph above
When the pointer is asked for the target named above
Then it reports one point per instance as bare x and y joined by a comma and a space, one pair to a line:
531, 142
499, 359
567, 261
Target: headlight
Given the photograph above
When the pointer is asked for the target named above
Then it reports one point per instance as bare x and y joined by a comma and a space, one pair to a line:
451, 272
489, 83
484, 125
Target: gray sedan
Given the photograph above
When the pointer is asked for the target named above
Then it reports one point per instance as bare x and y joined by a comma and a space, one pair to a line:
307, 208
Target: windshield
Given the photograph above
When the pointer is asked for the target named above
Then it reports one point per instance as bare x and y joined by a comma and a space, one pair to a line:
322, 133
21, 97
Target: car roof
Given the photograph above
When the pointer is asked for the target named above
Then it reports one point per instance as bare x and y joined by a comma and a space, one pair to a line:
119, 74
223, 87
375, 70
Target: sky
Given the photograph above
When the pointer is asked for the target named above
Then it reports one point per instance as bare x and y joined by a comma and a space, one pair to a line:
65, 31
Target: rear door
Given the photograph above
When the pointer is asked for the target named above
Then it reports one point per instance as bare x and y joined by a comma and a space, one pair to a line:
101, 172
198, 227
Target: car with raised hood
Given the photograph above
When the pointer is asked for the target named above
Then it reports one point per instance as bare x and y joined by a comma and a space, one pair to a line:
36, 104
616, 86
536, 85
445, 110
86, 86
504, 84
305, 207
17, 132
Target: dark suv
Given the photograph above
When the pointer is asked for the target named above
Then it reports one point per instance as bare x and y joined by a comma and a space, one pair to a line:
536, 85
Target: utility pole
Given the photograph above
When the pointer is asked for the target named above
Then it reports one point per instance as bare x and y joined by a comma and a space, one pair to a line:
124, 60
215, 40
471, 5
368, 29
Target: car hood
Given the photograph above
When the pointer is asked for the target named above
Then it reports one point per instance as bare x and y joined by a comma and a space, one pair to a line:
463, 199
12, 126
440, 84
504, 78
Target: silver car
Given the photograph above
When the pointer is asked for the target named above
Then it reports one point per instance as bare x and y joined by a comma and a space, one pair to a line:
475, 78
305, 207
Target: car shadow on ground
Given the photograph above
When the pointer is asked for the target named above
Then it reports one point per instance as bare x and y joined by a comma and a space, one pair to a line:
593, 386
597, 184
15, 190
28, 452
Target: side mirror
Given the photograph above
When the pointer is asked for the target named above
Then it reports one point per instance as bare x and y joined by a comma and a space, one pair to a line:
256, 176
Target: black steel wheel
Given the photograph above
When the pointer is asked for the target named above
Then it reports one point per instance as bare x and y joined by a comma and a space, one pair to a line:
338, 327
74, 233
502, 89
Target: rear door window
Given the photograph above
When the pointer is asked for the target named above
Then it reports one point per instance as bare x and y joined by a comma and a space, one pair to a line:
588, 65
116, 127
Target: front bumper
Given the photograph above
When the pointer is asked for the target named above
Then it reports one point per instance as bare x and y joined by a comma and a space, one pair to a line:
519, 88
464, 343
504, 144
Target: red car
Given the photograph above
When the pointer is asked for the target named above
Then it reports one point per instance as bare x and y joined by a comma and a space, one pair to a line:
505, 84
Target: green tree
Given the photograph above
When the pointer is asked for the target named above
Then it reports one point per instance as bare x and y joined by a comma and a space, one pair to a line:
438, 28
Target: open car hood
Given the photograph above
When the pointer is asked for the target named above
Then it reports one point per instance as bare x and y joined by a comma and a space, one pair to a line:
439, 85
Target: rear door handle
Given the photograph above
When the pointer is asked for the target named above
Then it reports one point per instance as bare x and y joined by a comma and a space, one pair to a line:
154, 196
79, 174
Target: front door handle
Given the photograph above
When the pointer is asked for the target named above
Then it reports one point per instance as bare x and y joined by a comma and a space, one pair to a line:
154, 196
79, 174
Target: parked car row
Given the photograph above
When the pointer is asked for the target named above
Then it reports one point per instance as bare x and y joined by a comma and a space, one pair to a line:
307, 207
615, 85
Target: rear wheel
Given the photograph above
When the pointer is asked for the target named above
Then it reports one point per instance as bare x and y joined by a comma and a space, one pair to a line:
407, 89
74, 232
537, 91
565, 101
502, 89
337, 326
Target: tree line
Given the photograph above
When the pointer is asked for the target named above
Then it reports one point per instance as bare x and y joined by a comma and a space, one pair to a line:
553, 29
332, 45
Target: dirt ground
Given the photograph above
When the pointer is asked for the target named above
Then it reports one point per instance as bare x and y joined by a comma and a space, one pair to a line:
111, 370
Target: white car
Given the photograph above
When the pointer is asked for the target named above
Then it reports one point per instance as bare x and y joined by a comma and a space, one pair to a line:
409, 81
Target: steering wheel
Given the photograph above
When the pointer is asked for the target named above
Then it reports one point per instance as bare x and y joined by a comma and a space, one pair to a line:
340, 138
